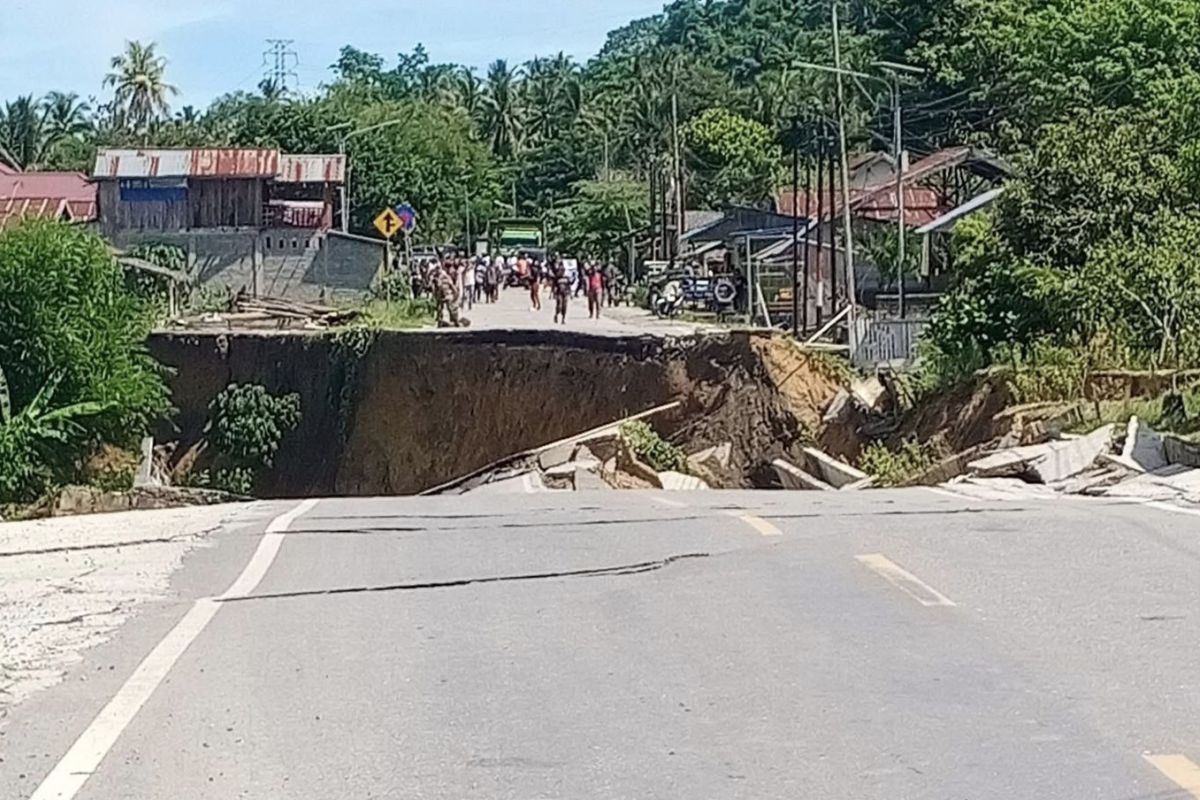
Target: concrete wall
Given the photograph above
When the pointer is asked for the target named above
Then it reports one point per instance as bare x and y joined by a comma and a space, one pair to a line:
295, 264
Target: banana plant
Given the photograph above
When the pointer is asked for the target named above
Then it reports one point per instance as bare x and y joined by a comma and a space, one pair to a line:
36, 437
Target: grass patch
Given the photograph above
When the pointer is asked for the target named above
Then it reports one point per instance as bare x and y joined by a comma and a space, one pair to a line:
399, 314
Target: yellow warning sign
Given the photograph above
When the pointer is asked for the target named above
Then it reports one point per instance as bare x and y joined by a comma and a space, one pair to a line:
389, 223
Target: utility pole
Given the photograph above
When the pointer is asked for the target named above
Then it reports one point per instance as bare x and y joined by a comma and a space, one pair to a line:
279, 64
677, 176
848, 236
343, 144
819, 299
807, 231
796, 228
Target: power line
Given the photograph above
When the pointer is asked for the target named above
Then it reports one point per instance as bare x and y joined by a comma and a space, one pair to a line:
280, 63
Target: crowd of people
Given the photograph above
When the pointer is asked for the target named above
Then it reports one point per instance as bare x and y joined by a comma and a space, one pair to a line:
457, 283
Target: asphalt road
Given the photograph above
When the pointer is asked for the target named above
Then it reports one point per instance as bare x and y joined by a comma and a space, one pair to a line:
743, 645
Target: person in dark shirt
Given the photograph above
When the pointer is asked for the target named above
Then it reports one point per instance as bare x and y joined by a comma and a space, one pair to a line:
562, 293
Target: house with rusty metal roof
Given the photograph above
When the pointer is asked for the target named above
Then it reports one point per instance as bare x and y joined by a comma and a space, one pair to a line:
66, 196
252, 220
215, 189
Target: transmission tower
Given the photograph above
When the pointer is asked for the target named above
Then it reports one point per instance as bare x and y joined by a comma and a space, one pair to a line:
279, 64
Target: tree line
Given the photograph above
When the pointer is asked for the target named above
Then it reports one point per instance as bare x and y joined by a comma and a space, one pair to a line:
1092, 101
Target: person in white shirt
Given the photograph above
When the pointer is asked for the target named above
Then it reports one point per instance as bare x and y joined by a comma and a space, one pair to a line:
467, 300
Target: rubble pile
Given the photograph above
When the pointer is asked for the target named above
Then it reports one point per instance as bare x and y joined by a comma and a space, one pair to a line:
1136, 463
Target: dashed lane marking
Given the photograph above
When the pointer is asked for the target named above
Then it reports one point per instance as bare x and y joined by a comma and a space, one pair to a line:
668, 502
73, 770
758, 523
904, 580
1180, 769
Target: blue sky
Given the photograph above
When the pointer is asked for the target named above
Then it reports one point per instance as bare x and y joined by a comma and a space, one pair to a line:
214, 46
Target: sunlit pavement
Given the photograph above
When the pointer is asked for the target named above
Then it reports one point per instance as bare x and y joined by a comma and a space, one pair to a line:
909, 644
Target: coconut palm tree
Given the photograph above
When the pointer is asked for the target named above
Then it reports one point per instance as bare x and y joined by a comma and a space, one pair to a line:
23, 140
66, 116
502, 110
468, 94
140, 90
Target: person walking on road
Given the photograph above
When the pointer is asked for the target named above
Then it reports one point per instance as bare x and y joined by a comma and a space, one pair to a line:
595, 291
468, 285
446, 287
535, 295
562, 293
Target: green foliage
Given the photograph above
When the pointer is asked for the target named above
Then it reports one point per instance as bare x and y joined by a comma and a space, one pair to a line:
404, 314
247, 423
36, 442
733, 159
598, 220
898, 466
652, 449
69, 319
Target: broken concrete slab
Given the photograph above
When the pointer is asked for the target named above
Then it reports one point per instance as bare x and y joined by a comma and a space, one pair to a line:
589, 480
560, 478
948, 468
793, 478
1180, 451
830, 470
714, 457
1143, 447
869, 392
1173, 482
678, 482
556, 456
629, 463
1046, 463
866, 483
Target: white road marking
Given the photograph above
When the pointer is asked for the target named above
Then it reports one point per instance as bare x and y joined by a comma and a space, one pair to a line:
758, 523
904, 580
1180, 769
668, 502
84, 758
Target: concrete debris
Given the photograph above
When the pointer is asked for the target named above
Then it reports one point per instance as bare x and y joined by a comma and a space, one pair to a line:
837, 474
869, 392
1143, 449
866, 483
556, 456
589, 480
678, 482
793, 478
838, 407
1047, 463
1181, 451
629, 463
148, 472
714, 457
77, 500
1173, 482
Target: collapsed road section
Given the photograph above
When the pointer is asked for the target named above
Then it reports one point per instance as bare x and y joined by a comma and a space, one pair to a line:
391, 413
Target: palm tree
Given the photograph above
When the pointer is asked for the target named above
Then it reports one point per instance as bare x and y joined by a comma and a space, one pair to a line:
23, 140
141, 93
467, 94
66, 116
502, 112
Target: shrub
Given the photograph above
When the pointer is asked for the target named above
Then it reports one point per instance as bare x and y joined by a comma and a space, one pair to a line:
35, 442
651, 448
248, 423
896, 467
68, 318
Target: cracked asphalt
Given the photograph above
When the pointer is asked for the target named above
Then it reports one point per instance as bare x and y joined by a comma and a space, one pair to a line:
908, 644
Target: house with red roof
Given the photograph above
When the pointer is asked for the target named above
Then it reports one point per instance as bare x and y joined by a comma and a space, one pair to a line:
67, 196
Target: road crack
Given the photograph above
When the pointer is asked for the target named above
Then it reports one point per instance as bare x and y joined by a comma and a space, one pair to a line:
596, 572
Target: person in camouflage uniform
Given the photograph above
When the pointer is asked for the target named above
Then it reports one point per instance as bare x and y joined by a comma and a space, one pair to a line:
445, 291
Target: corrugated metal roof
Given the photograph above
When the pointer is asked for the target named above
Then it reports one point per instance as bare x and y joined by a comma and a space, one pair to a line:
201, 163
70, 185
951, 218
312, 169
12, 210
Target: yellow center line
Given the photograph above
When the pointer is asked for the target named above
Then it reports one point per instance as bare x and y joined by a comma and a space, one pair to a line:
758, 523
1181, 770
904, 580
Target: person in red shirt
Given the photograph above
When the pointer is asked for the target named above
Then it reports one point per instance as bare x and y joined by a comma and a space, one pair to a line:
595, 291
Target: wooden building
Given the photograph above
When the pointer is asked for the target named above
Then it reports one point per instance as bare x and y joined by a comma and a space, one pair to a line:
174, 191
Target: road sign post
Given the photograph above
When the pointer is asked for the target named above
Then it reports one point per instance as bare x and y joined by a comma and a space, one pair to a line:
389, 223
